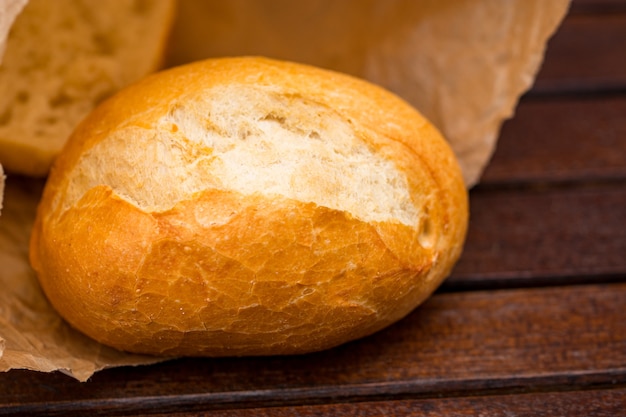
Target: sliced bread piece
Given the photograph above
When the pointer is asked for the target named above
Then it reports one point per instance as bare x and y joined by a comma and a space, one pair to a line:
62, 58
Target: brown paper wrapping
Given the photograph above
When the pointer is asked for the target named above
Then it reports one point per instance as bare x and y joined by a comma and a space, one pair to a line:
463, 63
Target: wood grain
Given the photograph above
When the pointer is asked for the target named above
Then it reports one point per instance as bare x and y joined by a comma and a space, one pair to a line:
586, 54
543, 237
597, 6
478, 342
575, 139
597, 403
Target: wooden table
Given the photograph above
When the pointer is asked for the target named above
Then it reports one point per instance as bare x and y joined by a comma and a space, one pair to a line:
531, 323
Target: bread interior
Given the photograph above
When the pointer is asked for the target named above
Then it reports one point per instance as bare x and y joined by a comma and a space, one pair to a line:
248, 139
64, 56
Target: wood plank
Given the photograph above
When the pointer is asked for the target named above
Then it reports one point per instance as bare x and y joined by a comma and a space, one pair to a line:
482, 343
597, 6
562, 140
596, 403
585, 54
543, 237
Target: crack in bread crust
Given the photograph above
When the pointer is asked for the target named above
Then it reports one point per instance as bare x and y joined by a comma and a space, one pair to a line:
248, 139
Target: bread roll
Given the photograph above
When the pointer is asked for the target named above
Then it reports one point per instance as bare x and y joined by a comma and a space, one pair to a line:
62, 58
245, 206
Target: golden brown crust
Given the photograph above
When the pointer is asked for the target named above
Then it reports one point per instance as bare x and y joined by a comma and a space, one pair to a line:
226, 273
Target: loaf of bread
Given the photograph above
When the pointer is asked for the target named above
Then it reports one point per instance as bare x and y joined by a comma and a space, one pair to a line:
64, 56
246, 206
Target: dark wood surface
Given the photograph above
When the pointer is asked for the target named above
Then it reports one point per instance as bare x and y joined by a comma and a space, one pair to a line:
532, 321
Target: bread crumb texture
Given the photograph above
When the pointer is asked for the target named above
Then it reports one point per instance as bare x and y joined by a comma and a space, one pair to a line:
245, 206
257, 140
62, 58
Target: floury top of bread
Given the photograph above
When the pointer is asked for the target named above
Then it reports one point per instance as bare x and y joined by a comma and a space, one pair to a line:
63, 57
246, 206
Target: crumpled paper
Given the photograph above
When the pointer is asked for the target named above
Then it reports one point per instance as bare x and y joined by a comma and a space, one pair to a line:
462, 63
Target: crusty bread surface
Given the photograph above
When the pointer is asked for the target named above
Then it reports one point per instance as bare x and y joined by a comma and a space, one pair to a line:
247, 206
63, 57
